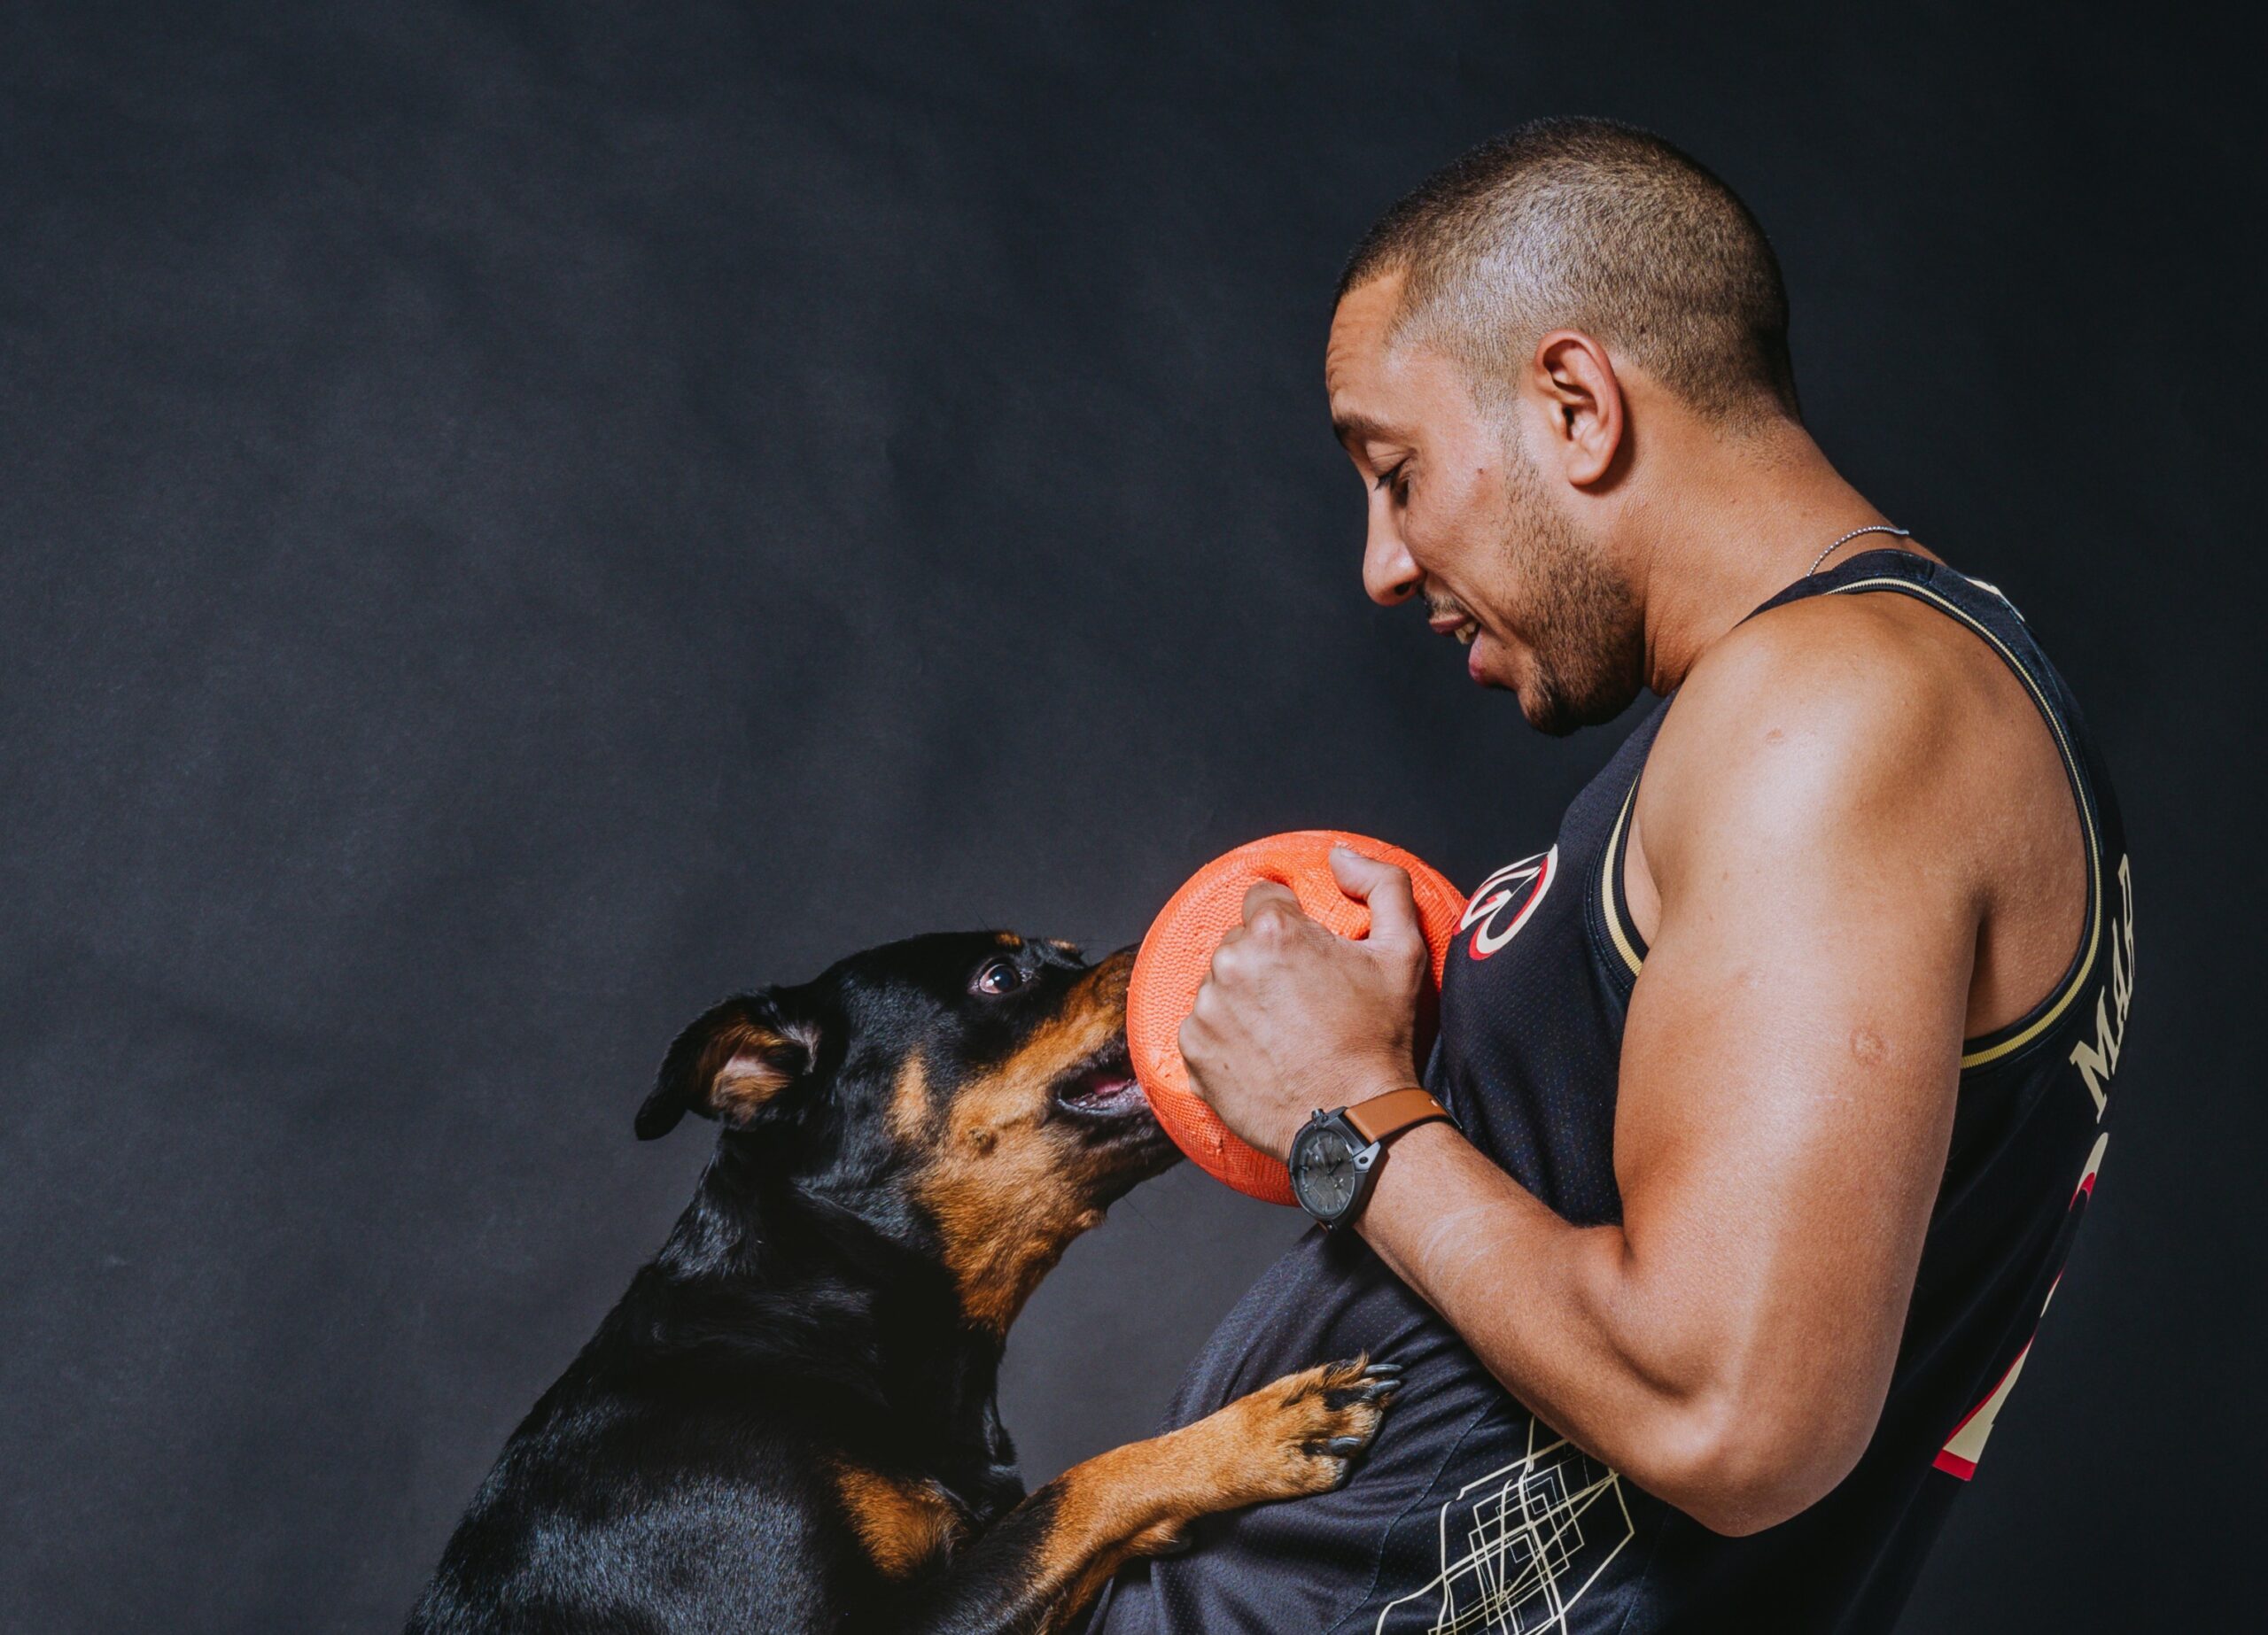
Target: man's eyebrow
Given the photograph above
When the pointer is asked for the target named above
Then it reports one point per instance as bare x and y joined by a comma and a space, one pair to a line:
1355, 424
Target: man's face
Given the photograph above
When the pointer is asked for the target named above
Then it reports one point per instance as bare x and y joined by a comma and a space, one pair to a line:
1462, 513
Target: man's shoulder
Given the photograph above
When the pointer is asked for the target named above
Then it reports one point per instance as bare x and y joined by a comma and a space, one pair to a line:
1874, 712
1880, 660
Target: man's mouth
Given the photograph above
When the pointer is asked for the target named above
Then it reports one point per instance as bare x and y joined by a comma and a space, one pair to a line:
1445, 618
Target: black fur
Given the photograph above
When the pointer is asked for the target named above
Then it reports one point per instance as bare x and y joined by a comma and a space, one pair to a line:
678, 1475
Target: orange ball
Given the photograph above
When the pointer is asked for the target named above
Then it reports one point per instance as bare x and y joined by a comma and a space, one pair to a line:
1178, 953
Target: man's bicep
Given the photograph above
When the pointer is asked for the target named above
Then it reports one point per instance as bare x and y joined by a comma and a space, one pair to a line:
1791, 1050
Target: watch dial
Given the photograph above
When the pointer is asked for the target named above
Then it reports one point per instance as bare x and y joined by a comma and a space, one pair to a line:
1323, 1171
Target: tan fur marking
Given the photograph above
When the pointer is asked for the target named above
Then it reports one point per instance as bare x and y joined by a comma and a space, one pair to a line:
909, 1104
901, 1524
1007, 1201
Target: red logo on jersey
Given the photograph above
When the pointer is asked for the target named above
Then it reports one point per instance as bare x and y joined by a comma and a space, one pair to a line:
1505, 900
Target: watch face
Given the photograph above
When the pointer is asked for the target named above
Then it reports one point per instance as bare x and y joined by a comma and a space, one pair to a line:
1323, 1175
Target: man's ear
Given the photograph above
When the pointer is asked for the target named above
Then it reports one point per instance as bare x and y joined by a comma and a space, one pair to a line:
733, 1060
1577, 382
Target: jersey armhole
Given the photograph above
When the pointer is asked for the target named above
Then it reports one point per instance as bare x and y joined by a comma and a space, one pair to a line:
1625, 949
2001, 1042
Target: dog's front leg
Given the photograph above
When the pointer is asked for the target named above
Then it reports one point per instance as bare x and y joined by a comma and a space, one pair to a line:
1034, 1570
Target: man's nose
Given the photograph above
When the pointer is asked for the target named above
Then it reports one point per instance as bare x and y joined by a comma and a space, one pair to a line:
1388, 573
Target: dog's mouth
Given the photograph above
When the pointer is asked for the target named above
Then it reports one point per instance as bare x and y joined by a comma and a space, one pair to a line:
1103, 1088
1120, 1137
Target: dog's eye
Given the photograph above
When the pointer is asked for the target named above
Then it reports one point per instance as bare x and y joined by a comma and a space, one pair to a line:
997, 976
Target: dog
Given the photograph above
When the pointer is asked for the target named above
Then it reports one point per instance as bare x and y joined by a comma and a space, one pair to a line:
788, 1425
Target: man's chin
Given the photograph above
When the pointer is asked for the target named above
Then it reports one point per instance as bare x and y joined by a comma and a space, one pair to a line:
1543, 703
1553, 712
1550, 718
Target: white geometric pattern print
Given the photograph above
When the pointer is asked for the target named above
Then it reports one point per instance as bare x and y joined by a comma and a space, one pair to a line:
1521, 1545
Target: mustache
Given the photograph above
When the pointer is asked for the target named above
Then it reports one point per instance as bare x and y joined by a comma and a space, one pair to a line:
1441, 605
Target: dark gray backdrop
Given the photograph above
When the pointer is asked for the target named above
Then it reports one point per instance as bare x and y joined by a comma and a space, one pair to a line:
516, 521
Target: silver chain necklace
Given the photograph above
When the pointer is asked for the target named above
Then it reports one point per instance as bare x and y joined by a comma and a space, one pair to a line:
1871, 528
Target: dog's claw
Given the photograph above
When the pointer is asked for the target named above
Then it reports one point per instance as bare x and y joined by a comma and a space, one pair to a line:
1379, 1391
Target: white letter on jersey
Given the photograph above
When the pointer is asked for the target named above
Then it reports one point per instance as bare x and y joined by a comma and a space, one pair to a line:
2098, 1061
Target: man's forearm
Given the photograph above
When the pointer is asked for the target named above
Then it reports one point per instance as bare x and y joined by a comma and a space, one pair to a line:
1521, 1286
1570, 1324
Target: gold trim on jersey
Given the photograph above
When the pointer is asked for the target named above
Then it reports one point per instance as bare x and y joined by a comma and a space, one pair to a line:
1974, 1054
1624, 943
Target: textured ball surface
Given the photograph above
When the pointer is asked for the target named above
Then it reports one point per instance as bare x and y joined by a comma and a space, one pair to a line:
1178, 951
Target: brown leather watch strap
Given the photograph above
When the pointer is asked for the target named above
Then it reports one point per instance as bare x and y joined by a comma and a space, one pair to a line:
1393, 1113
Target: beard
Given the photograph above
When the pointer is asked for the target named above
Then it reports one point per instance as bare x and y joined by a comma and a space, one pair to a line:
1579, 622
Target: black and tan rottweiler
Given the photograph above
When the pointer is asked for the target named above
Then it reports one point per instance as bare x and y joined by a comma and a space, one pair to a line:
787, 1424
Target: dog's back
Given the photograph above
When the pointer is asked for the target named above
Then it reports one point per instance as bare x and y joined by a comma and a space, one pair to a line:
640, 1494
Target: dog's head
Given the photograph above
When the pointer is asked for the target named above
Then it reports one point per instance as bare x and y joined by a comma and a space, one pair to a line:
971, 1091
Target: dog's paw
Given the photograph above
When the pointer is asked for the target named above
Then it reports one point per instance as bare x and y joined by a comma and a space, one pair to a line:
1303, 1433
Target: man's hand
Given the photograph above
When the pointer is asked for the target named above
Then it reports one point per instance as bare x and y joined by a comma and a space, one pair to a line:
1294, 1018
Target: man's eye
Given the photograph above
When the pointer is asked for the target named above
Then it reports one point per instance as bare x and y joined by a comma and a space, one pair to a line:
1395, 479
997, 976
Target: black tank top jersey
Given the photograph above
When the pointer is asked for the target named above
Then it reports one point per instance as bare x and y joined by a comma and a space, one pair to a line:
1470, 1514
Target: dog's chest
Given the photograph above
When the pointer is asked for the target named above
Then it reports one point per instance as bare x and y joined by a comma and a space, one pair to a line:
903, 1522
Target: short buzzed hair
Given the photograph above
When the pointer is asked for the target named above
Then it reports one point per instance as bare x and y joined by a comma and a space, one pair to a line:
1591, 225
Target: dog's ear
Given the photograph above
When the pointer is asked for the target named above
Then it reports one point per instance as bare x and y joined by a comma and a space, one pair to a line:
733, 1062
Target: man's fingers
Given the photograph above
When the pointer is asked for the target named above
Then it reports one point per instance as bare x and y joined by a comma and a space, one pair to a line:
1189, 1037
1267, 894
1385, 887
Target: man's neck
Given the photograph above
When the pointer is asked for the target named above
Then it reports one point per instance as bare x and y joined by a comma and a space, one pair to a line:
1741, 521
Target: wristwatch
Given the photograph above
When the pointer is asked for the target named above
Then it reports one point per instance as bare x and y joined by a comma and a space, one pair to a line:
1335, 1156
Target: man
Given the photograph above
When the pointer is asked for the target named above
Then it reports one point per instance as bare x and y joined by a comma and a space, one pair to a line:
1777, 1083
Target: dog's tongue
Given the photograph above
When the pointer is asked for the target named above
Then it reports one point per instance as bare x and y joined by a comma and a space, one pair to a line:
1107, 1087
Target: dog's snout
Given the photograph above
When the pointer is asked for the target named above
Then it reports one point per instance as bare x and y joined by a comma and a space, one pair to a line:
1108, 978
